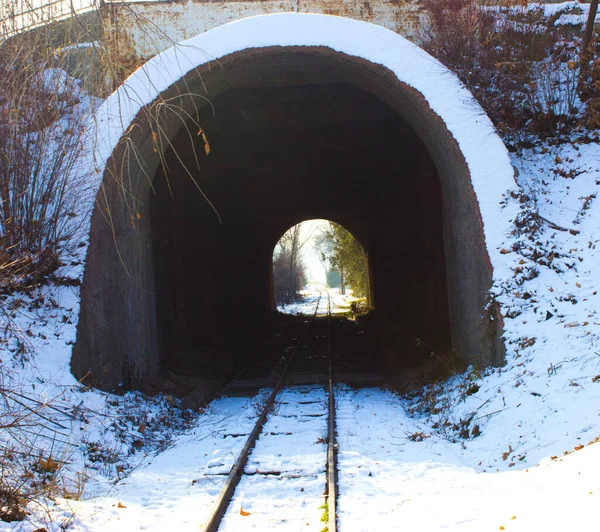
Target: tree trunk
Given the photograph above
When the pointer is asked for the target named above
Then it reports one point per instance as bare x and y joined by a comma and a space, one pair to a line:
589, 27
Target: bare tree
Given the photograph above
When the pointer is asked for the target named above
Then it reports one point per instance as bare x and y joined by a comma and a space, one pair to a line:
289, 274
42, 116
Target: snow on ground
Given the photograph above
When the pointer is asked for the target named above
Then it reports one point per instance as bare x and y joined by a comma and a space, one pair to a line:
392, 479
571, 13
339, 303
176, 489
291, 455
306, 305
479, 449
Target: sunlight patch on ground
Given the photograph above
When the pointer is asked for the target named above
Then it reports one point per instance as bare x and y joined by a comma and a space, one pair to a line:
340, 304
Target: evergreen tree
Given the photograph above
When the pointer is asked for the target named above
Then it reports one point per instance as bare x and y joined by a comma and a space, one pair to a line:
347, 257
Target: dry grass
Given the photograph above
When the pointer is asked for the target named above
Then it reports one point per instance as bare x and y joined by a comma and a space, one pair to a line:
521, 66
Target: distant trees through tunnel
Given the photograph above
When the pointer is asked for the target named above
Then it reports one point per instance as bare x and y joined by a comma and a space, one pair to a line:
318, 254
289, 265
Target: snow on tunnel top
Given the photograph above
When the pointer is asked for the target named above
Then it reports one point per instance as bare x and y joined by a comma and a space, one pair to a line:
491, 173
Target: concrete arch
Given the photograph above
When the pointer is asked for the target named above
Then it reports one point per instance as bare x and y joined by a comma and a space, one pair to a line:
117, 339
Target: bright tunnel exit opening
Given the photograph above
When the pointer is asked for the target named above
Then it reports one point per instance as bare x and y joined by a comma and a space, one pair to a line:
317, 256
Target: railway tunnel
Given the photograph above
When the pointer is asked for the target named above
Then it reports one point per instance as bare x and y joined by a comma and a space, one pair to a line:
228, 155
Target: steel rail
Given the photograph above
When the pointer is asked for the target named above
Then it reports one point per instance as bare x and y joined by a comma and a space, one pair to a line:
332, 477
235, 475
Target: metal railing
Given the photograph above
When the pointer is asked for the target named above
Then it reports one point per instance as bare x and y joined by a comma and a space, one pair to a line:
17, 16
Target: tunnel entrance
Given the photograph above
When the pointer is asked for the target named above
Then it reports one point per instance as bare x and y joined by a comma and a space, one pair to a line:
179, 265
278, 155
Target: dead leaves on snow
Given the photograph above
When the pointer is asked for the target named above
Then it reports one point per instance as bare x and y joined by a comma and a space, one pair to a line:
577, 448
577, 324
526, 342
506, 454
512, 519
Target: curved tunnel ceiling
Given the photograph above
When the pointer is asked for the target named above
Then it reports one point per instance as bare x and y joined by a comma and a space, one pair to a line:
117, 328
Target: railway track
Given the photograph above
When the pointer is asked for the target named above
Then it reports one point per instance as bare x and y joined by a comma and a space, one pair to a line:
289, 457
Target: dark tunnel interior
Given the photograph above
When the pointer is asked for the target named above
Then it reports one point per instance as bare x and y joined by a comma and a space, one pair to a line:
278, 156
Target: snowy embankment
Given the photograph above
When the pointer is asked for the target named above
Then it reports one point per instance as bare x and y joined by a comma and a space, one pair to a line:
396, 475
530, 422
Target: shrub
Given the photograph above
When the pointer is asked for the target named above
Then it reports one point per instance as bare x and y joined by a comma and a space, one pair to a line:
41, 128
519, 64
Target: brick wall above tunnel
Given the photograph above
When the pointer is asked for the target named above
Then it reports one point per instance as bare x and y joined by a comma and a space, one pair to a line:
117, 338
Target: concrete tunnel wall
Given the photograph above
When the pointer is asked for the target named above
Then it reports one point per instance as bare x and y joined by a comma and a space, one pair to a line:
117, 340
280, 155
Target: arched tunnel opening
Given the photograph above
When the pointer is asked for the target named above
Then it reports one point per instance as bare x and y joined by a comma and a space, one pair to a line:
317, 257
279, 154
178, 272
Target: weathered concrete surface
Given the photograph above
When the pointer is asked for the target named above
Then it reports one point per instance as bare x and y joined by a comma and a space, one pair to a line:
156, 26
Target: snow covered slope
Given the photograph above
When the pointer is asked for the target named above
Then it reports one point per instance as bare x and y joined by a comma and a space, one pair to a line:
494, 438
